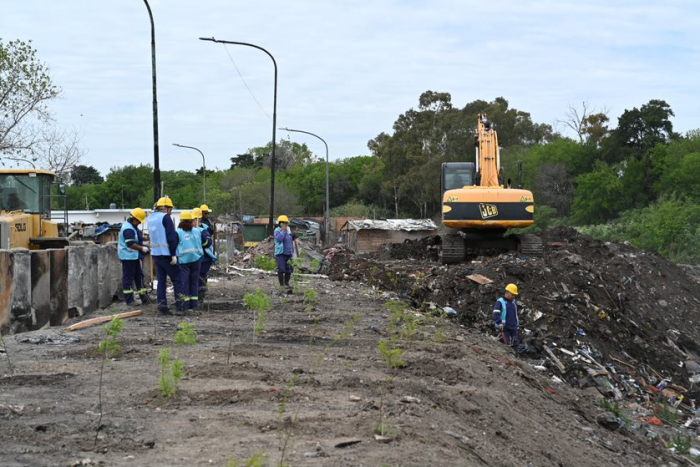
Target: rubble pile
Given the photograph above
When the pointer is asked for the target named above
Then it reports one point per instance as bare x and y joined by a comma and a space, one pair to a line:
604, 316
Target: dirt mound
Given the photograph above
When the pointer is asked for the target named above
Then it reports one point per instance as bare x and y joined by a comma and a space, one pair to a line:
424, 248
620, 311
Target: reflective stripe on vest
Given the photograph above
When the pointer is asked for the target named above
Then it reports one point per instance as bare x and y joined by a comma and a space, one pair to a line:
156, 232
190, 248
123, 251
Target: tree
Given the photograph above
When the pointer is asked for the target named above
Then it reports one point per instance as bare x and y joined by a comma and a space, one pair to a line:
25, 89
59, 151
85, 174
598, 196
287, 154
588, 126
246, 160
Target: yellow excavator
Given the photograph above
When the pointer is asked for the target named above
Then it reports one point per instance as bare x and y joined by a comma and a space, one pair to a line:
25, 210
478, 206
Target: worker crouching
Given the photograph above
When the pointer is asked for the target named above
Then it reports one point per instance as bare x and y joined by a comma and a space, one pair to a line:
189, 254
284, 248
130, 250
505, 316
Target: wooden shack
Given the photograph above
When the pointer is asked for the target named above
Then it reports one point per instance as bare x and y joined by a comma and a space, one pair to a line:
366, 236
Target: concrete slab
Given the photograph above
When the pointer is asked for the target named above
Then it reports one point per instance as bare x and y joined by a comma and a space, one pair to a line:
21, 289
6, 273
90, 279
59, 286
108, 274
76, 272
41, 288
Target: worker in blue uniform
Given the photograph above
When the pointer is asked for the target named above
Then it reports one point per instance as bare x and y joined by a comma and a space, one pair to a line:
130, 250
505, 316
164, 241
189, 257
208, 258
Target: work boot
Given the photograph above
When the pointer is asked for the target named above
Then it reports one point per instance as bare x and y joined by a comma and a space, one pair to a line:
144, 299
280, 277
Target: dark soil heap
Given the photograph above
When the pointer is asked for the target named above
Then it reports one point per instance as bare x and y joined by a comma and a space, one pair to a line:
632, 311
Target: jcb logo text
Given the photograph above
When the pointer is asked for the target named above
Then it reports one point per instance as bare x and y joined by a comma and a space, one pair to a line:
488, 210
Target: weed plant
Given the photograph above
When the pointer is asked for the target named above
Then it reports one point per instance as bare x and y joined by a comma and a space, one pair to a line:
265, 263
257, 460
681, 443
107, 349
665, 414
172, 370
393, 356
258, 302
616, 410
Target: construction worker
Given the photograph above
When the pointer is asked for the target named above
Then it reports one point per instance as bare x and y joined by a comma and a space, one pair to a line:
284, 248
505, 316
130, 250
206, 222
189, 255
164, 242
209, 256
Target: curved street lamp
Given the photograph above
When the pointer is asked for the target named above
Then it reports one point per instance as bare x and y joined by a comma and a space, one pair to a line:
327, 210
204, 171
270, 225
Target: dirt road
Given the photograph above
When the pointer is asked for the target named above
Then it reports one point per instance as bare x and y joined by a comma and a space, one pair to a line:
312, 389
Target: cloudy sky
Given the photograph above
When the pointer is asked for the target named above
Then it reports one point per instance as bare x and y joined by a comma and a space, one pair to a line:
347, 69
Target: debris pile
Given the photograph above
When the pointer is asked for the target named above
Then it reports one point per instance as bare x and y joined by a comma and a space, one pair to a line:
604, 316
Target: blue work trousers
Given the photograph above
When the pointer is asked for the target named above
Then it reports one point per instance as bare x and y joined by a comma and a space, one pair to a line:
132, 275
511, 337
164, 270
189, 272
204, 272
283, 264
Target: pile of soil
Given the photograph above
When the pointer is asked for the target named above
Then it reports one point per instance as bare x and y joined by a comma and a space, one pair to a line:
633, 312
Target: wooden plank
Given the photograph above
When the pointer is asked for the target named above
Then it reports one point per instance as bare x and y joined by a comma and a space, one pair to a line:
102, 319
479, 279
561, 366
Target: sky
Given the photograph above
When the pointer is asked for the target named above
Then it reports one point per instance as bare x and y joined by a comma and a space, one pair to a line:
346, 69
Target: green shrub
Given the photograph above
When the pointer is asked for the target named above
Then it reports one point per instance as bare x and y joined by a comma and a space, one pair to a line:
265, 263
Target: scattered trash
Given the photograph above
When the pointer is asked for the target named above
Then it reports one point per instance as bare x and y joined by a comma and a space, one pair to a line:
47, 340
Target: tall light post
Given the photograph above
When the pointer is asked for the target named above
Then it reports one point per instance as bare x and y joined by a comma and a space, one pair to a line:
156, 165
328, 212
204, 171
270, 225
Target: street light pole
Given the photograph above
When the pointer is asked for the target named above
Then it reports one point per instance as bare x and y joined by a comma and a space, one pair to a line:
156, 165
328, 212
204, 171
270, 225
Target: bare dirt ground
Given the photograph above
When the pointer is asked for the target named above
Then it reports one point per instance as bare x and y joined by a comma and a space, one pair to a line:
310, 390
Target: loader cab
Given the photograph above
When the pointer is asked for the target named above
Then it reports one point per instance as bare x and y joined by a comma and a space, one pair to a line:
28, 191
456, 175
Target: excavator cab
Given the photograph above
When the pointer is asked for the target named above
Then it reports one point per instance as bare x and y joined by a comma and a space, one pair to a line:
25, 210
457, 175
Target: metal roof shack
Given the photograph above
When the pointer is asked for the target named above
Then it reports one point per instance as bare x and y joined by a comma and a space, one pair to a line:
366, 236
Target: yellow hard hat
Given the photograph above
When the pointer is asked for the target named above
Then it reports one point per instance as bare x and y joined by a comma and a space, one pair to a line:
165, 201
197, 213
138, 213
283, 219
204, 207
512, 288
186, 216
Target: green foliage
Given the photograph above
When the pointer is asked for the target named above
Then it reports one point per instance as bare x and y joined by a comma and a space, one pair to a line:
681, 443
265, 263
440, 336
670, 227
84, 175
314, 265
258, 303
310, 295
186, 335
348, 326
665, 414
393, 356
615, 409
171, 372
385, 428
598, 196
257, 460
109, 347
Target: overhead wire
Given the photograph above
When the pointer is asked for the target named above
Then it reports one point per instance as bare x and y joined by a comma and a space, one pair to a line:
244, 82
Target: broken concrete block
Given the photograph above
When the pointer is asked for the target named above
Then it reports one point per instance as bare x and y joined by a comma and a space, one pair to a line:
59, 286
90, 279
41, 288
21, 286
5, 288
76, 272
109, 274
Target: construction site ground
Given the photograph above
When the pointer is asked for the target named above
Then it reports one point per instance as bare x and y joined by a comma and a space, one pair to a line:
313, 389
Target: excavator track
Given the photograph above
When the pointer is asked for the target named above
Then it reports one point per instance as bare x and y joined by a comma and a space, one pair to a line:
530, 245
452, 250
